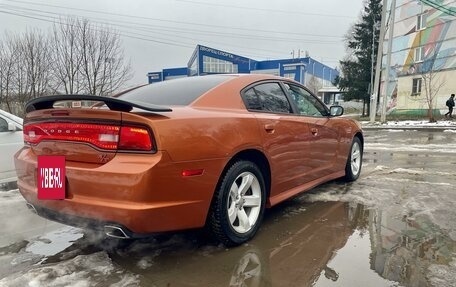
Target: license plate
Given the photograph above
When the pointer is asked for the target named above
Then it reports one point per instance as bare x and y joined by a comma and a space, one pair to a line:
51, 177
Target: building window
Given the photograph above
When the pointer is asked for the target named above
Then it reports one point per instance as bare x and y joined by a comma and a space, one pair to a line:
421, 22
419, 54
214, 65
289, 76
193, 71
416, 87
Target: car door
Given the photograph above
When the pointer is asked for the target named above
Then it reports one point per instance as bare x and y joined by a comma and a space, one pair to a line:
11, 140
325, 139
285, 135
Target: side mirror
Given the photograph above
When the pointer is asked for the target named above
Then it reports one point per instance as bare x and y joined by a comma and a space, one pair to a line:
336, 111
11, 127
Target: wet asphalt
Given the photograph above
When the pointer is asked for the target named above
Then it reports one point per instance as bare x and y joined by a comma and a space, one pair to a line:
335, 235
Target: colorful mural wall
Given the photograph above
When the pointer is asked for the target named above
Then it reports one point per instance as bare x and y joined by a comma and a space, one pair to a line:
424, 41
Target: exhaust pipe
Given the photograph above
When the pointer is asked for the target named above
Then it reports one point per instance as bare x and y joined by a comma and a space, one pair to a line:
31, 208
115, 232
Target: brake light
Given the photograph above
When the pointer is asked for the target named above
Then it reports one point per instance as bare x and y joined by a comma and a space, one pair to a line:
102, 136
108, 137
135, 138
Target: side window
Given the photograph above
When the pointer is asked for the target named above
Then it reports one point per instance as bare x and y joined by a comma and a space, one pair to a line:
252, 100
267, 97
3, 125
306, 103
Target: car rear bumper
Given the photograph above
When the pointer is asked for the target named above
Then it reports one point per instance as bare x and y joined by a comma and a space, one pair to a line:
112, 229
142, 194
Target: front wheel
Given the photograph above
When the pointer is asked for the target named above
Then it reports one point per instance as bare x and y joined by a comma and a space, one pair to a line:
238, 205
354, 161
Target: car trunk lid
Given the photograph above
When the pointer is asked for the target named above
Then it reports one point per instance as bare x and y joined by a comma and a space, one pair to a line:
81, 135
90, 135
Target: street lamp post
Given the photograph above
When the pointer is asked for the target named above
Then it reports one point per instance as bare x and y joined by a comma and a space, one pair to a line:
371, 85
388, 61
374, 96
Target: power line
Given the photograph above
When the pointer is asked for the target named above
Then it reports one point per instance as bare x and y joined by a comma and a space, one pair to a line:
148, 27
169, 21
50, 21
138, 36
265, 9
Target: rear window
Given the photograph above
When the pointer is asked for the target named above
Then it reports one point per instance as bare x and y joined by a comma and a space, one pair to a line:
177, 92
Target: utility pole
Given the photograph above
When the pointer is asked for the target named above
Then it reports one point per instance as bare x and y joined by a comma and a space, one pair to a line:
378, 67
388, 60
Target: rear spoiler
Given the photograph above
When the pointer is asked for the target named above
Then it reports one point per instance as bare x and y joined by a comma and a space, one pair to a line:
112, 103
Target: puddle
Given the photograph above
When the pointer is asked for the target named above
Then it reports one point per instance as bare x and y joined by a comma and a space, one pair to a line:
300, 244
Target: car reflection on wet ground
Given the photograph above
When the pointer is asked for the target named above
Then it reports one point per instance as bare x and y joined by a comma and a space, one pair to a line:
395, 226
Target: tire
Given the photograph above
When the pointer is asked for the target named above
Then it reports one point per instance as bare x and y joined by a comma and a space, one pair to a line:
354, 161
238, 205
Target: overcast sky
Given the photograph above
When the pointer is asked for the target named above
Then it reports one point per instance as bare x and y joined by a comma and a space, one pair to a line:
161, 34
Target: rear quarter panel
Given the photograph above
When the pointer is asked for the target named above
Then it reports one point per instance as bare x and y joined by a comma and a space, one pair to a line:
193, 134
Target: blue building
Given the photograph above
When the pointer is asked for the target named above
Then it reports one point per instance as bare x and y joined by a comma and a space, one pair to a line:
206, 60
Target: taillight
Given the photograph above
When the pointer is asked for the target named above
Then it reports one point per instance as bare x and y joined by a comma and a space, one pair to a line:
108, 137
135, 138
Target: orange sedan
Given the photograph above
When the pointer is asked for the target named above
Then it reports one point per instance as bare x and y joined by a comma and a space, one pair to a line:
210, 151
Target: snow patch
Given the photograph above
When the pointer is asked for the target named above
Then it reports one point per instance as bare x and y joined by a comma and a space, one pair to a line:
395, 130
401, 193
423, 123
380, 168
95, 269
434, 148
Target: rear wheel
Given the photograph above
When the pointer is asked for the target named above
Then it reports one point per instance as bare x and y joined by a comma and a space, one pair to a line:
354, 161
238, 205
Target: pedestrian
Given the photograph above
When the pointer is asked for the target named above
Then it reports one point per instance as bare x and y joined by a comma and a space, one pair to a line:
450, 105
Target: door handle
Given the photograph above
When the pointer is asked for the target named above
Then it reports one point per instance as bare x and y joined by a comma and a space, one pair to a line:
314, 131
269, 128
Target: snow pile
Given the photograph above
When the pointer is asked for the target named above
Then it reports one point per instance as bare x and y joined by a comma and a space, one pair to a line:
392, 147
10, 196
95, 269
411, 124
402, 191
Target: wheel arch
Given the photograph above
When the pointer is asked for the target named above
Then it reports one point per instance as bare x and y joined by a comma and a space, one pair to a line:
254, 156
361, 138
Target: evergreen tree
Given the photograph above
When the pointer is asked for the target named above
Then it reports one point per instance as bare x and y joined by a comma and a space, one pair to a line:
356, 68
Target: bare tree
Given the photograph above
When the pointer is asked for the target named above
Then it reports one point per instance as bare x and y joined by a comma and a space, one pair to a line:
314, 84
37, 60
432, 82
3, 77
77, 57
67, 56
7, 65
12, 74
103, 67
